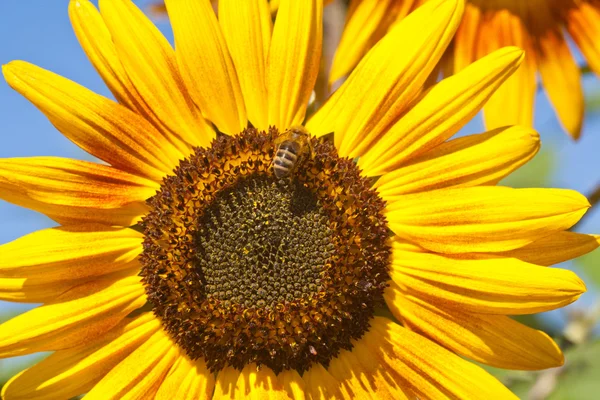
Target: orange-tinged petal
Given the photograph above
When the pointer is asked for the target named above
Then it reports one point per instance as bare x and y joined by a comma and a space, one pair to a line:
247, 30
98, 125
206, 65
187, 379
140, 374
583, 24
72, 372
465, 40
485, 285
427, 369
441, 112
70, 252
555, 248
560, 74
513, 102
81, 314
71, 191
294, 60
96, 41
387, 79
473, 160
152, 67
494, 340
257, 383
483, 218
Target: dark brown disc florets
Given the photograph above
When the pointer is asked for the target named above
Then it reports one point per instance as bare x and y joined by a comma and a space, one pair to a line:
242, 267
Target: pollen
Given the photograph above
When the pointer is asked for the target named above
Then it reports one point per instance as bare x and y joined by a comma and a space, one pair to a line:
242, 267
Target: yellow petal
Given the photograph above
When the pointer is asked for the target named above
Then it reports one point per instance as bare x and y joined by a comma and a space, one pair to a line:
247, 29
583, 24
388, 78
187, 379
273, 5
294, 60
560, 74
28, 290
483, 219
206, 64
513, 102
72, 372
320, 384
96, 41
225, 383
38, 267
140, 374
473, 160
494, 340
71, 252
555, 248
441, 112
257, 384
79, 315
293, 384
428, 370
486, 285
152, 67
99, 126
362, 376
71, 191
366, 22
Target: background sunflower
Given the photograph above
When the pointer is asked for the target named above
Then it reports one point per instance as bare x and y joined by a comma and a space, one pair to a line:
43, 36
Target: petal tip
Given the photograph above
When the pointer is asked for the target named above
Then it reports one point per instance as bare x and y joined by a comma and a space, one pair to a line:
12, 66
515, 51
8, 71
578, 286
560, 361
575, 134
456, 7
77, 5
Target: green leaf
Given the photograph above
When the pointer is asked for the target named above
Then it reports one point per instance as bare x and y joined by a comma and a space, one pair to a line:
581, 377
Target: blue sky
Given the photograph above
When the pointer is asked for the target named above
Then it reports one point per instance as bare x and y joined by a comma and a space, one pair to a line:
39, 31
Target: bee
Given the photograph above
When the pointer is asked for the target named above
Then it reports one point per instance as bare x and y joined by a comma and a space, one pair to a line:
292, 145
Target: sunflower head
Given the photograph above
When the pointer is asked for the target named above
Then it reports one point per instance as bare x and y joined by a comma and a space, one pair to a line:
243, 267
185, 267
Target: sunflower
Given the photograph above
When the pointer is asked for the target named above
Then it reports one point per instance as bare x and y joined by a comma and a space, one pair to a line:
183, 269
537, 26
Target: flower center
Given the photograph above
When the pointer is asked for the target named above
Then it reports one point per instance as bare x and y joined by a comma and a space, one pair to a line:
262, 243
244, 267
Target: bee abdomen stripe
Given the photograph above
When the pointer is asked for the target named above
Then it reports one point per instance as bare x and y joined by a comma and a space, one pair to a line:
280, 171
284, 162
287, 154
